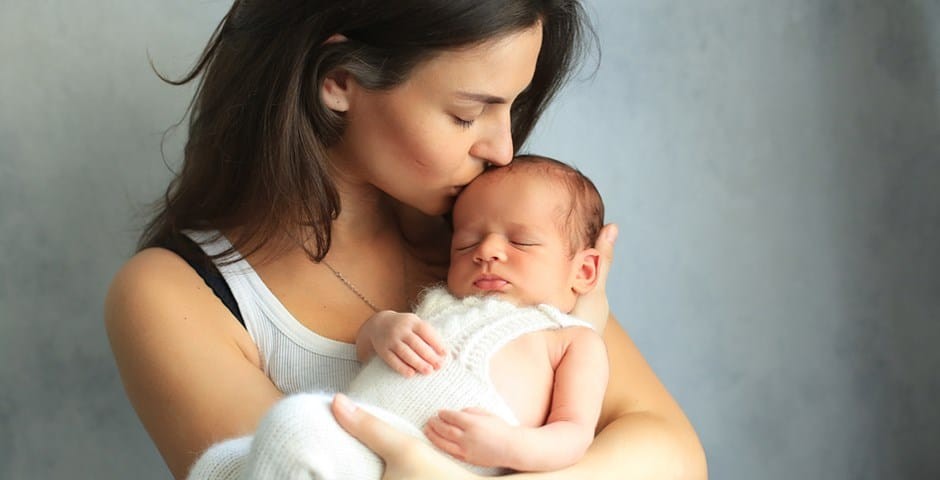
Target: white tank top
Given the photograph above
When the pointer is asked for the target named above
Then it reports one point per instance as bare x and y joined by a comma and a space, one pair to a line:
294, 357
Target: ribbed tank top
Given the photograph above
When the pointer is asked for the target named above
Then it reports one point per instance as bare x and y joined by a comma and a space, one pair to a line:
294, 357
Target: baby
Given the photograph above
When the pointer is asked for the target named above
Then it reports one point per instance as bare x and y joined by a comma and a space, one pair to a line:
508, 380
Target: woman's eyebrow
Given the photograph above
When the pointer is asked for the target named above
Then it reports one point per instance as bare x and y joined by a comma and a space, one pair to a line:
482, 97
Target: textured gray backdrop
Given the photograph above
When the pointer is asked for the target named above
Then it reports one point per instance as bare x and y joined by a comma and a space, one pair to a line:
774, 167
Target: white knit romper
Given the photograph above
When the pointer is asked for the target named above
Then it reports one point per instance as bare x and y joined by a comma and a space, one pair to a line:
300, 439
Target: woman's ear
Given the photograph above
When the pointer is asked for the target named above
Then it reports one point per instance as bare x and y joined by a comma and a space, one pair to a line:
585, 275
335, 90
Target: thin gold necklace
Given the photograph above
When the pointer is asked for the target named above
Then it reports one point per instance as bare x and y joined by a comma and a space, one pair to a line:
350, 286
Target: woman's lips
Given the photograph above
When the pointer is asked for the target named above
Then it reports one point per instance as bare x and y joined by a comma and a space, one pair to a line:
490, 283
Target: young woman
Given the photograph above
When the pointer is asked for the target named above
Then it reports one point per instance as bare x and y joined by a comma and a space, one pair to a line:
327, 140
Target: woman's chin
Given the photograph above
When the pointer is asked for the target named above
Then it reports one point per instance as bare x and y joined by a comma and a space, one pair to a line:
438, 209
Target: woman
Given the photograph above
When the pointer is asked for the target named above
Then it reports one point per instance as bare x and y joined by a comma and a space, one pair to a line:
326, 141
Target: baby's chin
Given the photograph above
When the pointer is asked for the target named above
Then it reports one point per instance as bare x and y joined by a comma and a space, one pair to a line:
504, 296
472, 291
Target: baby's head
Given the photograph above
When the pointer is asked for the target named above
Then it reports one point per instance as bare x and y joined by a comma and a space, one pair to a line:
526, 233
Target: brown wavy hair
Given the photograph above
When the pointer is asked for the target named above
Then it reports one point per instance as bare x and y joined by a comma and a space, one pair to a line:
258, 132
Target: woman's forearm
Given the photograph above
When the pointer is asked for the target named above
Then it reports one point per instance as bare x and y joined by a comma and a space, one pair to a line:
637, 446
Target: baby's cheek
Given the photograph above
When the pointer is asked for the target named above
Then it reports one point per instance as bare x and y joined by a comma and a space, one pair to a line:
453, 277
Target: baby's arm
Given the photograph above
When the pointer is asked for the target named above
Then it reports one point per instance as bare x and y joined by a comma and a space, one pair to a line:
404, 341
477, 437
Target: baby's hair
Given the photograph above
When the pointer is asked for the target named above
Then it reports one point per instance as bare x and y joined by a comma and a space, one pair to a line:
585, 216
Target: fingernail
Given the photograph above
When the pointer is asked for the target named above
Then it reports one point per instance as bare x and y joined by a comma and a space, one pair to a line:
344, 403
611, 233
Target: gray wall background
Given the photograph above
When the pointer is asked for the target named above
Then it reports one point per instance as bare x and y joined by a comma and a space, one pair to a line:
774, 167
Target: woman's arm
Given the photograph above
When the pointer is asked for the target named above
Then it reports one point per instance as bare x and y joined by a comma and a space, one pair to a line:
189, 368
642, 431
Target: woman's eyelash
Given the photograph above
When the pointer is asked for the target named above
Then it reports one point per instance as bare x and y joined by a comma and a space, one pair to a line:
463, 123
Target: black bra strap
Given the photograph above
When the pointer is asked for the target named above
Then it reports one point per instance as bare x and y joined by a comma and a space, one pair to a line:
197, 259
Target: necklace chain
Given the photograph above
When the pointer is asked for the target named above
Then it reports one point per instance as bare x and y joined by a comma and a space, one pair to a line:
350, 286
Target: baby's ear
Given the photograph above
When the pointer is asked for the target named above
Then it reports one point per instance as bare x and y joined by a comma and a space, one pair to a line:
585, 276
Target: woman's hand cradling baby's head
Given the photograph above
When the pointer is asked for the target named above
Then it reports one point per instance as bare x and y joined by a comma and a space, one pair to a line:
593, 306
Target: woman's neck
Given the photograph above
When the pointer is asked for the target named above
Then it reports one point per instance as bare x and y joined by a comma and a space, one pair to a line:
366, 213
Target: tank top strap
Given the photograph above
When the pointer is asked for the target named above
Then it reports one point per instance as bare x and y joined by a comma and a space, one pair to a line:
191, 251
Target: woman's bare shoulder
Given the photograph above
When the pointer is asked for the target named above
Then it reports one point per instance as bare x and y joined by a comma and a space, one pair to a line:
159, 280
149, 267
157, 289
189, 368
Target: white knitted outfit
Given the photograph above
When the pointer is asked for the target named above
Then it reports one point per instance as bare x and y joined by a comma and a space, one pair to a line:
300, 439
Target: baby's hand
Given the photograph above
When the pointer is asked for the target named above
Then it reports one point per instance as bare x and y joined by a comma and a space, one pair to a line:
404, 341
472, 435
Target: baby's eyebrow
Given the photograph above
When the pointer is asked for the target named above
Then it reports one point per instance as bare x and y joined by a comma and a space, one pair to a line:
524, 228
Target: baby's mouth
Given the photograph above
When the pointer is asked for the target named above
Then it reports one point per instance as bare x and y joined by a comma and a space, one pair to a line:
490, 283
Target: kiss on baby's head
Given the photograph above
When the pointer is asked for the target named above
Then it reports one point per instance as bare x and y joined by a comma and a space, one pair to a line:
526, 232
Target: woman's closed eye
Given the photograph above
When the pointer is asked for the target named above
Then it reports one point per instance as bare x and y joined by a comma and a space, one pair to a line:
462, 122
467, 117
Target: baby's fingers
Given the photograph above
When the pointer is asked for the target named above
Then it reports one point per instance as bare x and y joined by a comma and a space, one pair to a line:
425, 352
431, 337
460, 420
396, 363
445, 437
409, 357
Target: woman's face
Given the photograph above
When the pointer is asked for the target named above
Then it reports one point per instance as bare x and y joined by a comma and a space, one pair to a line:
425, 139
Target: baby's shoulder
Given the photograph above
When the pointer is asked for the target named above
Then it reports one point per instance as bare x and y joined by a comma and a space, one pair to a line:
560, 340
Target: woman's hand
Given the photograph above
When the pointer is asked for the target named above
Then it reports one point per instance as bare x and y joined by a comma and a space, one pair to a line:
592, 307
406, 457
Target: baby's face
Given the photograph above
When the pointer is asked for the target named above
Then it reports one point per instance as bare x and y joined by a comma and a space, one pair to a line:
508, 241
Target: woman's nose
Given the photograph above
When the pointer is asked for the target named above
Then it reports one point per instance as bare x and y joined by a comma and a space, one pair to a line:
491, 249
495, 146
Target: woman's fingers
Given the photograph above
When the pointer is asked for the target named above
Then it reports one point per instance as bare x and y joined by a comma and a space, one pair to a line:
405, 456
605, 245
380, 437
593, 307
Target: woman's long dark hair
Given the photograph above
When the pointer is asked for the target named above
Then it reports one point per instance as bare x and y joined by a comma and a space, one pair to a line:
255, 159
